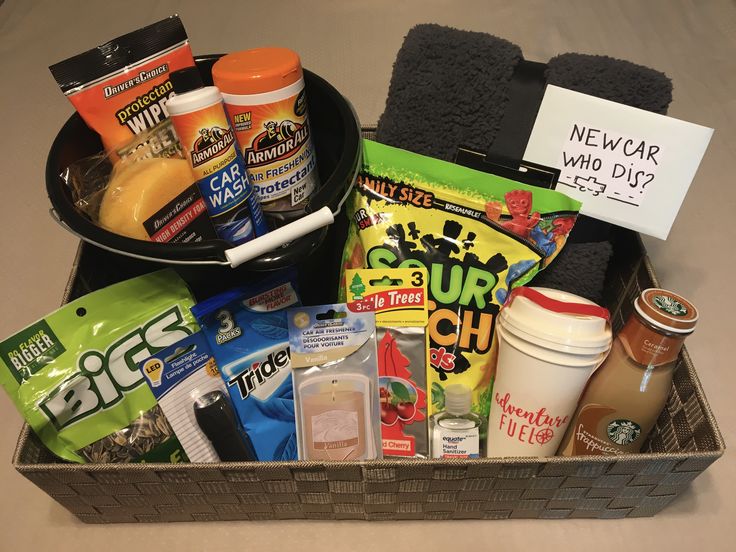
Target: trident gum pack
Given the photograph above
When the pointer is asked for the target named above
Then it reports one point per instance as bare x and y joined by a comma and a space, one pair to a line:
478, 236
248, 335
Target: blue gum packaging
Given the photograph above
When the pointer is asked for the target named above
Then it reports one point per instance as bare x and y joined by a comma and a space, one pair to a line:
247, 330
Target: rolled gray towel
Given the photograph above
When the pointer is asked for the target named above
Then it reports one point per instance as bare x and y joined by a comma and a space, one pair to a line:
612, 79
451, 87
448, 87
580, 268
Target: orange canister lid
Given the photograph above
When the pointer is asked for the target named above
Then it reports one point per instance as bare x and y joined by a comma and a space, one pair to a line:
667, 310
257, 71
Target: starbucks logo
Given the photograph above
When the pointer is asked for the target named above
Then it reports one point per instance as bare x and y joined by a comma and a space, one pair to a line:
670, 305
623, 432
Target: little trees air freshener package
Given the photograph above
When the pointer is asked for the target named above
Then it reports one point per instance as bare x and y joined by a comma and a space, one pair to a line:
398, 297
335, 373
478, 235
74, 374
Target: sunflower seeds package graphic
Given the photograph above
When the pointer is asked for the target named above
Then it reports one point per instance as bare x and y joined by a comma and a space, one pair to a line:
478, 235
248, 334
74, 374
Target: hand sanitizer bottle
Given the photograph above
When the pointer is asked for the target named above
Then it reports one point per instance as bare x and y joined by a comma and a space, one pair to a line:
455, 432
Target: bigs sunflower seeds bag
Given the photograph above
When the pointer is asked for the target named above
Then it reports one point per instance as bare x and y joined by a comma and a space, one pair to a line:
74, 375
478, 235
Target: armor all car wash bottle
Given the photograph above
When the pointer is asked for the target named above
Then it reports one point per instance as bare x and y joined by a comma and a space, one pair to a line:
209, 145
265, 99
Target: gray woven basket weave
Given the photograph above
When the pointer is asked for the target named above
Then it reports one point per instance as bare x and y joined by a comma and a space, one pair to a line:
684, 443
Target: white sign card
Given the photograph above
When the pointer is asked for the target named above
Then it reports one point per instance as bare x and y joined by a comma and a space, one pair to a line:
628, 166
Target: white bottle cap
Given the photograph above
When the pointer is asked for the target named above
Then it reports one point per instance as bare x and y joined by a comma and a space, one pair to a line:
458, 399
195, 100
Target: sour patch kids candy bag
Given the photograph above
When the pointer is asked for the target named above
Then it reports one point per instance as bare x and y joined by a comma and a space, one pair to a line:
478, 235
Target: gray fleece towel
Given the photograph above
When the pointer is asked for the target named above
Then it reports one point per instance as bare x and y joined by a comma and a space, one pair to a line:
580, 268
448, 88
612, 79
451, 87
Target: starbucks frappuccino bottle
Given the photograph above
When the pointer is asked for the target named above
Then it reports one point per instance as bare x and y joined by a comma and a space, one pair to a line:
626, 394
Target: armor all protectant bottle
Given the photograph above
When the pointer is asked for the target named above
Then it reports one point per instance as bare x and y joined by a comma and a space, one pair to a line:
265, 99
627, 393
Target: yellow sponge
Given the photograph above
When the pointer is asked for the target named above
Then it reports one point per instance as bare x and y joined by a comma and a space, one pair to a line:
137, 190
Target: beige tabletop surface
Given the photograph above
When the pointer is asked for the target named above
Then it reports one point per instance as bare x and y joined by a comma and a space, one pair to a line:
353, 43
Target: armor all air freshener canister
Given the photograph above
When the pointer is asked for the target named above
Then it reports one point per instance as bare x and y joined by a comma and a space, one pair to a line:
265, 100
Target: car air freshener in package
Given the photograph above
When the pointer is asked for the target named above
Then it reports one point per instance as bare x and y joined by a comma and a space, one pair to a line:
335, 372
120, 88
247, 333
398, 297
478, 235
74, 374
187, 385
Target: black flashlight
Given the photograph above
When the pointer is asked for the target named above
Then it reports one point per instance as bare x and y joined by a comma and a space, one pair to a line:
218, 422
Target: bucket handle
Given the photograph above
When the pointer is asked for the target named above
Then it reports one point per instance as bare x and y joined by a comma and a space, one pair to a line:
236, 255
55, 215
562, 307
242, 253
276, 238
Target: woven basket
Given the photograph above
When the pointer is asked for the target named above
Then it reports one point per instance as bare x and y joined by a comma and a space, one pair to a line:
685, 441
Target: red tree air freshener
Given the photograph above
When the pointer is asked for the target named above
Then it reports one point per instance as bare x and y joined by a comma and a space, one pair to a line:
403, 402
399, 299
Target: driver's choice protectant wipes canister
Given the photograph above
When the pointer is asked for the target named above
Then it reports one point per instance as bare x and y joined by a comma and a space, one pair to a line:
209, 145
265, 99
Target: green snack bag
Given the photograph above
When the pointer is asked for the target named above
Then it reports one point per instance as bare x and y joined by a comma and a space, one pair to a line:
478, 235
74, 374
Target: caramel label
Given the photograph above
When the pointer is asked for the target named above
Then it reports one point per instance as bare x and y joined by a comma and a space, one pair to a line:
648, 347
